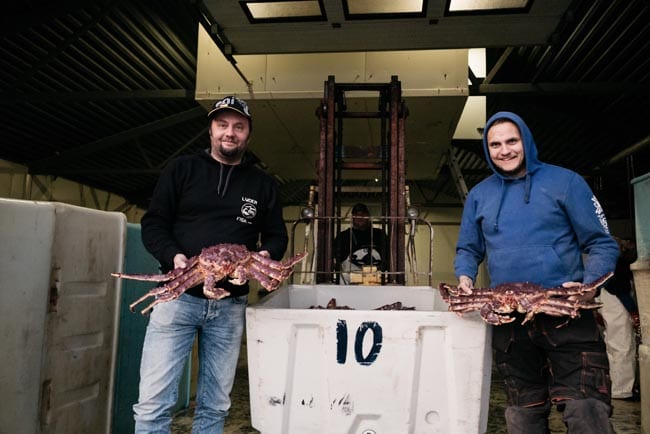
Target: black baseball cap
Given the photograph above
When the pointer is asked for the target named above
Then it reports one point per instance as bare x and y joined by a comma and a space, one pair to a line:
360, 208
231, 103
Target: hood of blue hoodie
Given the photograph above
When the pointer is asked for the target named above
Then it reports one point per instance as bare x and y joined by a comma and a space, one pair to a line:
530, 155
530, 148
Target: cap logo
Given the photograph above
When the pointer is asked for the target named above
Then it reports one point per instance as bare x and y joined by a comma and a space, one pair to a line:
233, 103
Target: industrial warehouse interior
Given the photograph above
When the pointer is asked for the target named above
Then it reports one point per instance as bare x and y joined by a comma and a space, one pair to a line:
97, 97
104, 93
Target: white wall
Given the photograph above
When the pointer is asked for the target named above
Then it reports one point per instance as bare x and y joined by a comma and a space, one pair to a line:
16, 183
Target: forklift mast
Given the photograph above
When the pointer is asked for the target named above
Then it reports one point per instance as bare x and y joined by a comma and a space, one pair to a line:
333, 165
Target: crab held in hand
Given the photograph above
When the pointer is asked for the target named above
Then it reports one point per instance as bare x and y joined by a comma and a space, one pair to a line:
495, 304
213, 264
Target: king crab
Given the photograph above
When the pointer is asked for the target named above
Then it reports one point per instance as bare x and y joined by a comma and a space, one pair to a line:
494, 304
212, 265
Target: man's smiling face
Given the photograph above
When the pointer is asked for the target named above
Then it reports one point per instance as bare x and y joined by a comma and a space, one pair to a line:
507, 149
229, 132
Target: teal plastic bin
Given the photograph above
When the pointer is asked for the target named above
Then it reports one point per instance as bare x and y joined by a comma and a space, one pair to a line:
131, 336
641, 187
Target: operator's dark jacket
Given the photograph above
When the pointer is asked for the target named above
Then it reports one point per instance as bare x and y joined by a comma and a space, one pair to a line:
199, 202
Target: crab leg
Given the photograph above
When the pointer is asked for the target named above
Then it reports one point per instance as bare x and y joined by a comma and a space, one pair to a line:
270, 283
262, 268
553, 304
170, 290
257, 269
468, 306
395, 306
210, 289
146, 277
159, 277
583, 288
287, 263
172, 295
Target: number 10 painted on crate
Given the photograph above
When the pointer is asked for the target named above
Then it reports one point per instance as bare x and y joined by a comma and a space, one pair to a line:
342, 342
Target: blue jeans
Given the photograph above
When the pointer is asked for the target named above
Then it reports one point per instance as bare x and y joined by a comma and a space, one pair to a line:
168, 341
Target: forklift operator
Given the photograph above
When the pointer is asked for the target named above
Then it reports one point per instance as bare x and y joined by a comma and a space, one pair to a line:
359, 246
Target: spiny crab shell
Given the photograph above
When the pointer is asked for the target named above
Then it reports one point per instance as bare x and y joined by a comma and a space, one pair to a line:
233, 261
494, 304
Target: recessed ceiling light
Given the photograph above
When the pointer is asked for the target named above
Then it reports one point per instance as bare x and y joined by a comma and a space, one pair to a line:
275, 11
364, 9
487, 6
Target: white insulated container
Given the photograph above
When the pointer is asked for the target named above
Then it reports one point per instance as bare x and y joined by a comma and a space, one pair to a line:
362, 371
58, 316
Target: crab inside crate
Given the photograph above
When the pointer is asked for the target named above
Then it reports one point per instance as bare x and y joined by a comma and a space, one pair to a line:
365, 371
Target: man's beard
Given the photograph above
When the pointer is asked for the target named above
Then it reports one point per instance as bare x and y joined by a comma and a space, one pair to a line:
514, 172
232, 154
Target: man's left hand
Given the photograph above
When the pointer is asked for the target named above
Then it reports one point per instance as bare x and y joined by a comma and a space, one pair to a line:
587, 296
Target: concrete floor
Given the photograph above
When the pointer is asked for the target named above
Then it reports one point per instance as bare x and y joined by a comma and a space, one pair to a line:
626, 418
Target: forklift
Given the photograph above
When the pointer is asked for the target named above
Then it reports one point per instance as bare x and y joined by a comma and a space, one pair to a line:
387, 163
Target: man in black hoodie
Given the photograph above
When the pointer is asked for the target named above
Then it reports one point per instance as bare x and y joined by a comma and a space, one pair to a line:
215, 196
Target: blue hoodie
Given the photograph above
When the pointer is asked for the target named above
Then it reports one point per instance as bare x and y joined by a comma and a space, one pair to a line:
534, 228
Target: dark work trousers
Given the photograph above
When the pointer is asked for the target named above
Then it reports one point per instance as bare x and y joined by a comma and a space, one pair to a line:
551, 361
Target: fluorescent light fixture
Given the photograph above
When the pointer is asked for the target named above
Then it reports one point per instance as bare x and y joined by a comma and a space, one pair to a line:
275, 11
468, 6
476, 61
384, 6
356, 9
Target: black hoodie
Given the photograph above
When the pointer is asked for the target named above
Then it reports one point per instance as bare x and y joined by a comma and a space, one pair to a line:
199, 202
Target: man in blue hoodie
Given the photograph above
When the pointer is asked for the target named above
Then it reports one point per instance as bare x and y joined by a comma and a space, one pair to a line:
540, 223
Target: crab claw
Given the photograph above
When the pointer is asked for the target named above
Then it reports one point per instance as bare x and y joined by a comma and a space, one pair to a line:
490, 316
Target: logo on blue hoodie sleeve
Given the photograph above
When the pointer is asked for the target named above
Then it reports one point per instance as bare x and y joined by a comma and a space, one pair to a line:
600, 213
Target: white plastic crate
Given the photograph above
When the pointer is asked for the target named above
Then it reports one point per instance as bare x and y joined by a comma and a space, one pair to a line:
315, 371
58, 316
641, 187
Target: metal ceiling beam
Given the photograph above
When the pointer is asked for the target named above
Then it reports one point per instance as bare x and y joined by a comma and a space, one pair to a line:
559, 44
566, 88
584, 49
472, 145
45, 190
184, 146
628, 151
19, 16
118, 55
115, 140
67, 42
472, 77
108, 95
63, 171
615, 37
497, 66
148, 54
12, 170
